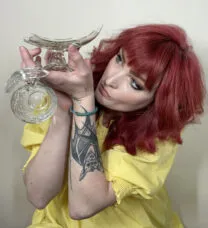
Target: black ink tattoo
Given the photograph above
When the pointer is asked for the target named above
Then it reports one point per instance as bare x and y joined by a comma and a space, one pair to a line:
85, 149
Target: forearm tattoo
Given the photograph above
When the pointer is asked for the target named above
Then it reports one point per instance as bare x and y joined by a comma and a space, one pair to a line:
85, 149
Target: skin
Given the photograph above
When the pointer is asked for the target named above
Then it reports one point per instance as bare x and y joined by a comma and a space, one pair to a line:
52, 156
125, 92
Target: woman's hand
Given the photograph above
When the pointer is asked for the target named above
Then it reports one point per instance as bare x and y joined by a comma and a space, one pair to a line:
77, 83
31, 58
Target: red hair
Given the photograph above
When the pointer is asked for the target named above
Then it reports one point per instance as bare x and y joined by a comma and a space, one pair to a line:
164, 55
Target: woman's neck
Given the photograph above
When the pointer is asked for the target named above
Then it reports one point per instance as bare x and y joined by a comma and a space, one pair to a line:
109, 115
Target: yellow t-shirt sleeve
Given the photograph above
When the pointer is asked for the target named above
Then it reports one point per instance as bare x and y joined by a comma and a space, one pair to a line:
141, 175
32, 137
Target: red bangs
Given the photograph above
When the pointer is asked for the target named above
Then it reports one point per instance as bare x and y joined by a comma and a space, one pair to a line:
149, 51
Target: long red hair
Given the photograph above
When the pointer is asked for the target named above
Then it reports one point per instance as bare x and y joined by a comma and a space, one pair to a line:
163, 53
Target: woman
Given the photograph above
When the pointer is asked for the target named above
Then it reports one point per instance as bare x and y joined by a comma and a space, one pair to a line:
103, 158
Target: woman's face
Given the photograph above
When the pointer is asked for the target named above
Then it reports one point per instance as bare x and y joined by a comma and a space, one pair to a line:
120, 88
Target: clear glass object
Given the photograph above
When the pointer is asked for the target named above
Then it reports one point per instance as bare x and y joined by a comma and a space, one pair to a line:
57, 47
32, 101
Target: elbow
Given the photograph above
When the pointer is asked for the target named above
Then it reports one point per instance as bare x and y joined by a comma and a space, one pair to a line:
38, 198
38, 202
79, 214
75, 216
88, 208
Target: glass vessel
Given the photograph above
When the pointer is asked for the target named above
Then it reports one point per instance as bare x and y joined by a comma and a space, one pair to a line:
57, 47
32, 101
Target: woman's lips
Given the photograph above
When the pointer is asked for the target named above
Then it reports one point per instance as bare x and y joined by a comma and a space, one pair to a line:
103, 91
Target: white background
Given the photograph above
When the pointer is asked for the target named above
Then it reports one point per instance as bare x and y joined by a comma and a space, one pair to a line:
187, 182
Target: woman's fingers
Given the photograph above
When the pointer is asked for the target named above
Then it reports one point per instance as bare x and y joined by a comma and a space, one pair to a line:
34, 52
88, 62
27, 56
47, 56
75, 60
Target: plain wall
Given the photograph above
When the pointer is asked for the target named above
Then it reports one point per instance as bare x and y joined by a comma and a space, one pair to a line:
187, 182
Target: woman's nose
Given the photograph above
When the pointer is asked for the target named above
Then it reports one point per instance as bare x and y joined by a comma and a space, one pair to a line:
113, 81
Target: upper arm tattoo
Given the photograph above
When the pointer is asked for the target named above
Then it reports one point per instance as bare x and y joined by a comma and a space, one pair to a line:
84, 148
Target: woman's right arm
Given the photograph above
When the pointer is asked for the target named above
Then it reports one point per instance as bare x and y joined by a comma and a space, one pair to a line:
44, 175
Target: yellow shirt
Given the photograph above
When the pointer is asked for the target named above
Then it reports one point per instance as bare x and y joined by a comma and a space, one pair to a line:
142, 201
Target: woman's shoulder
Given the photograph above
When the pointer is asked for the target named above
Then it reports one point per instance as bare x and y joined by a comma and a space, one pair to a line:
165, 150
144, 172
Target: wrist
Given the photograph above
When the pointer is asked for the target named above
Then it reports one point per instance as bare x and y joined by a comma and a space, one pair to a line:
89, 99
86, 103
61, 115
83, 96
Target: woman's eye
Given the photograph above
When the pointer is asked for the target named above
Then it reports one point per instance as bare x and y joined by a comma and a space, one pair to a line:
119, 58
135, 86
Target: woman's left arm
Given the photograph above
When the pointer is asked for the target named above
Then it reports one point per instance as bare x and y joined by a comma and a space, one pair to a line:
89, 191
